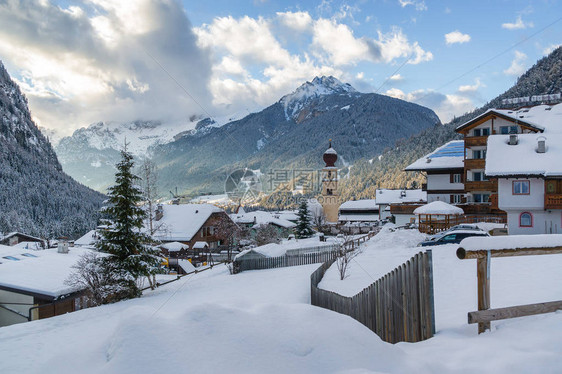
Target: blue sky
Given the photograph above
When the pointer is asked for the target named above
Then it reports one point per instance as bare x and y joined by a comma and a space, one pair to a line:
179, 61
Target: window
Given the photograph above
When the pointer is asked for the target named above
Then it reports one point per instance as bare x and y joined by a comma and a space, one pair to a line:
508, 130
457, 178
486, 131
329, 191
521, 187
207, 231
481, 197
28, 255
449, 238
456, 199
476, 132
479, 176
525, 219
479, 154
11, 258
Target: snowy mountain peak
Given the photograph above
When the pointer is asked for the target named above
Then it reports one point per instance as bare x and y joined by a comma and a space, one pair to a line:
294, 102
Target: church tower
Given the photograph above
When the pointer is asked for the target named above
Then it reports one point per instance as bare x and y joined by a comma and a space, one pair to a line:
330, 196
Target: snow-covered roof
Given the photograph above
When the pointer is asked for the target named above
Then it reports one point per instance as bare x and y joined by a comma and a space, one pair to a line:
358, 217
181, 222
331, 151
438, 207
522, 159
448, 156
36, 246
505, 114
261, 217
512, 242
400, 196
548, 117
38, 272
90, 238
365, 204
186, 265
276, 250
200, 245
174, 246
14, 233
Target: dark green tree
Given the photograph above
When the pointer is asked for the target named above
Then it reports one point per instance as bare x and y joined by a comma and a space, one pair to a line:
304, 227
131, 258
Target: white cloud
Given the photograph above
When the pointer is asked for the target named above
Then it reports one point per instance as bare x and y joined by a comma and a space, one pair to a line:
418, 4
78, 67
471, 88
456, 37
548, 50
299, 21
445, 106
517, 25
517, 66
396, 77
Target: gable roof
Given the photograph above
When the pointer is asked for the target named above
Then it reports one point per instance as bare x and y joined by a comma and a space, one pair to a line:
438, 207
260, 217
508, 115
448, 156
365, 204
181, 222
522, 159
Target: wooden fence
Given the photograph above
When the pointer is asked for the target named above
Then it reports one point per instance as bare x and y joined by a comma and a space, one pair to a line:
282, 261
397, 307
484, 316
300, 257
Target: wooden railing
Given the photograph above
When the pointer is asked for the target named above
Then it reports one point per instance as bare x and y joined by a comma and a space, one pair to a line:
553, 201
475, 163
494, 201
398, 307
491, 186
484, 316
473, 141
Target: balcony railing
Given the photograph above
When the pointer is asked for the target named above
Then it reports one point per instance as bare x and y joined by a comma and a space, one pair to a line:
553, 201
471, 186
474, 163
474, 141
494, 201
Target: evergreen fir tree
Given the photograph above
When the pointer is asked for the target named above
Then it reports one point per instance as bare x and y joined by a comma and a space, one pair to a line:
303, 228
131, 257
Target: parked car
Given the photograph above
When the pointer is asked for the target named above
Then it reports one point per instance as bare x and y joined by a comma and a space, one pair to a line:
462, 226
453, 237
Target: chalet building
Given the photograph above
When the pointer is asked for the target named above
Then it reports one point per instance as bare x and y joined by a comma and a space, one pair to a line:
15, 238
478, 187
189, 224
399, 203
32, 284
528, 170
259, 218
444, 171
359, 211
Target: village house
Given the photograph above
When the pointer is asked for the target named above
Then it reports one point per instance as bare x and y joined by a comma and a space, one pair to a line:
528, 168
399, 204
15, 238
444, 171
190, 224
359, 212
259, 218
32, 284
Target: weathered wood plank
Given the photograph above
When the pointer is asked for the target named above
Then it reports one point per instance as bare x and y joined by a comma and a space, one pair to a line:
463, 254
513, 312
483, 275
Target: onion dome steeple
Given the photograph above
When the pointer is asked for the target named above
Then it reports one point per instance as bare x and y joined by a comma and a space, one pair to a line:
330, 156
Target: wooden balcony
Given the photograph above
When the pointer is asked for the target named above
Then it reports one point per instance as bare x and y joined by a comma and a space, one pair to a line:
475, 163
475, 141
491, 186
553, 201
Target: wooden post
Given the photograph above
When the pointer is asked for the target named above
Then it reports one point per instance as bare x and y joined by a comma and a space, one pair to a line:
483, 272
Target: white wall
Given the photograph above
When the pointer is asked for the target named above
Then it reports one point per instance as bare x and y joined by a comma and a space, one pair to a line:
544, 222
8, 318
403, 219
508, 201
442, 182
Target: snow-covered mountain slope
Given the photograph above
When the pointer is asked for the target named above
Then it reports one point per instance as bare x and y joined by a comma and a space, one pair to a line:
294, 102
36, 197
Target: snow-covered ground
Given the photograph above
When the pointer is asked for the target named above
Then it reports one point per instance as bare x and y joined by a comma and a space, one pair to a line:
262, 322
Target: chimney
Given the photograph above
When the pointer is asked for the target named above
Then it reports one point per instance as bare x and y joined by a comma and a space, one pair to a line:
513, 139
541, 145
62, 246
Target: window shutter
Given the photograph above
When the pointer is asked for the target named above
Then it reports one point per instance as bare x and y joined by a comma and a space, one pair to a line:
462, 177
451, 199
451, 178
